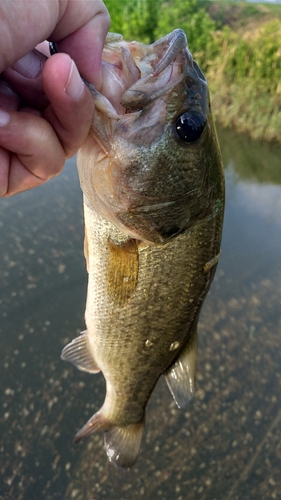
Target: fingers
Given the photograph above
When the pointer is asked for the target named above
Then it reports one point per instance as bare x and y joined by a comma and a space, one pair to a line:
23, 25
71, 108
81, 33
30, 152
34, 147
78, 27
46, 111
8, 98
25, 77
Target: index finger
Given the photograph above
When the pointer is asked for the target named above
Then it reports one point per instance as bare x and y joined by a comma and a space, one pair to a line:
85, 43
79, 28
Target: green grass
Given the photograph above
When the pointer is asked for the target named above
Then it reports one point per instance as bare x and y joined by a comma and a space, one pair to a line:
245, 79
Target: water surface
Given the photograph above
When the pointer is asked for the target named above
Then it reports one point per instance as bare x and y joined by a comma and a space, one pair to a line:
226, 443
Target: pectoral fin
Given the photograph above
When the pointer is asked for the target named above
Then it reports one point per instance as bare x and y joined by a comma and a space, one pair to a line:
79, 353
122, 273
180, 377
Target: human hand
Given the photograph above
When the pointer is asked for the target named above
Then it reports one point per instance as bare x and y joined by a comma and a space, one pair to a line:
45, 109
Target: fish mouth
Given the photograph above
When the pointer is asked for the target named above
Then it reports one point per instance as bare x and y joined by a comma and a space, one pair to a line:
135, 75
134, 139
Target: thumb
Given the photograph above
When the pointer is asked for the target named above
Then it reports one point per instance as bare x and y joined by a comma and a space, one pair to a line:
71, 108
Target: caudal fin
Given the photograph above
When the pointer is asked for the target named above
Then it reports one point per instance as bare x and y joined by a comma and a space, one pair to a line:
122, 443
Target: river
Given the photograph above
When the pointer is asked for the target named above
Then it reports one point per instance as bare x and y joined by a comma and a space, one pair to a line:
227, 443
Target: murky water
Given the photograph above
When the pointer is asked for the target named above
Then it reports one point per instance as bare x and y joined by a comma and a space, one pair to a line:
227, 443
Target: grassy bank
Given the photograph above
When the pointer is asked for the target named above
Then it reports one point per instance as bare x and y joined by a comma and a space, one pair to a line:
237, 44
245, 76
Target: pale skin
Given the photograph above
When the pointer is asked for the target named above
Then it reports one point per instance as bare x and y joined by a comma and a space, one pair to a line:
45, 108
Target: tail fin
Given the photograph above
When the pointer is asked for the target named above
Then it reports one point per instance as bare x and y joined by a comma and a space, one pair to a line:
122, 443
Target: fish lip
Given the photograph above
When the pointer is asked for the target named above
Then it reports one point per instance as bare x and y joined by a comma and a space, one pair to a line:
169, 60
178, 42
147, 89
150, 87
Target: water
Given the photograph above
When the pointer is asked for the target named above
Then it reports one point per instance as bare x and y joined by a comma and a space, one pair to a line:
226, 444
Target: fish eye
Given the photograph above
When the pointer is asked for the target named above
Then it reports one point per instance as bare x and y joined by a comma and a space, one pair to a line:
189, 127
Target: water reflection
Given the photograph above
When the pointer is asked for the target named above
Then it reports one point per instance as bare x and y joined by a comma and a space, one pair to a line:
226, 444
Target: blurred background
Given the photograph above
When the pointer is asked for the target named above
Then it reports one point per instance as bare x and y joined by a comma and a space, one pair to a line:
226, 444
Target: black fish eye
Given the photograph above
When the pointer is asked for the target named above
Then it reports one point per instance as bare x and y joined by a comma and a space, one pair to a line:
189, 127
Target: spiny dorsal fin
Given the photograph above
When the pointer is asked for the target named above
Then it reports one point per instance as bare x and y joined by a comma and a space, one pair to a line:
180, 377
79, 353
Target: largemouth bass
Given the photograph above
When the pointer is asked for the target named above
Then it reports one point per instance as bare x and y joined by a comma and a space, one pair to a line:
152, 178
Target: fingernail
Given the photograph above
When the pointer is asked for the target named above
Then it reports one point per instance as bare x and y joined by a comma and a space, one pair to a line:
4, 118
29, 65
75, 84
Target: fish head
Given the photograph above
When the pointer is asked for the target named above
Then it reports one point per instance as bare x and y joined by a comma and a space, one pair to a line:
152, 166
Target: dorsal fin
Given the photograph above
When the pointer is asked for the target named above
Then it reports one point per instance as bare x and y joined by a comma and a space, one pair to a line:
79, 353
180, 377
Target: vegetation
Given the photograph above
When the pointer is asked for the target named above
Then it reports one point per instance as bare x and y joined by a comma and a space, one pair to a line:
245, 79
135, 19
237, 44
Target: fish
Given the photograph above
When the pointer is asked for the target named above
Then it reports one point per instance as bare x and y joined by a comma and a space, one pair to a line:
153, 188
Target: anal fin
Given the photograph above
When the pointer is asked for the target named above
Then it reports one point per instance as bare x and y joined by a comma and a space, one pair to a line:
95, 424
78, 352
180, 377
